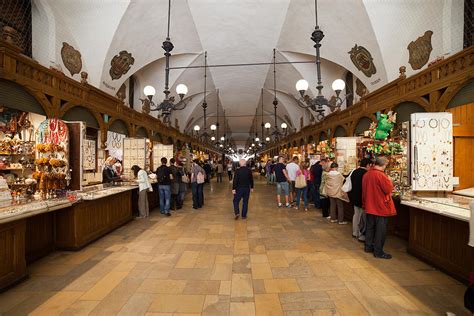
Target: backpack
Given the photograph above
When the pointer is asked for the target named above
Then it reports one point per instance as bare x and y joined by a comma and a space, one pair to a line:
162, 175
200, 178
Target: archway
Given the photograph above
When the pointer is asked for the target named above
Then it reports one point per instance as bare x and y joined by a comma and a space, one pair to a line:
340, 131
323, 136
405, 109
141, 132
362, 126
81, 114
464, 96
16, 97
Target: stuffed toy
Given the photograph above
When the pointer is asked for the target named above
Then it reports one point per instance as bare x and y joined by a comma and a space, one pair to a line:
385, 125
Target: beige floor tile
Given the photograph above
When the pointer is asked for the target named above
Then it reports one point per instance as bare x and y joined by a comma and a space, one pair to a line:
138, 304
222, 272
57, 304
261, 271
216, 305
224, 259
104, 286
162, 286
281, 286
322, 283
202, 287
277, 259
178, 304
346, 303
188, 259
225, 288
268, 304
241, 285
260, 258
372, 302
401, 305
242, 308
79, 308
241, 247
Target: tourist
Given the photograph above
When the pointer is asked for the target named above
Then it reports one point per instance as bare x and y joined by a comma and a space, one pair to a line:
324, 199
241, 187
292, 168
378, 204
333, 189
268, 171
219, 171
163, 176
282, 180
197, 181
144, 187
108, 173
301, 185
229, 170
316, 171
175, 181
355, 197
183, 184
207, 167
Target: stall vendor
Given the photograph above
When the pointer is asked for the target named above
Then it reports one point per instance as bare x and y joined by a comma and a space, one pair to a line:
109, 174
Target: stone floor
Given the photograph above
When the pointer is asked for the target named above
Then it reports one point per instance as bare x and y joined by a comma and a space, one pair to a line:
278, 261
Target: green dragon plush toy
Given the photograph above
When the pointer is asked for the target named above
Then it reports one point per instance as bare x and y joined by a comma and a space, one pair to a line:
385, 125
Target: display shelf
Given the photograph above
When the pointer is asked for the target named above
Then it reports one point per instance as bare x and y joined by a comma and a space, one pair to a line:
453, 206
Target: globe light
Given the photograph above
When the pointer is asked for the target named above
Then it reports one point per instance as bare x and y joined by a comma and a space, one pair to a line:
213, 138
338, 85
181, 89
267, 139
302, 85
196, 128
257, 139
268, 125
221, 145
284, 125
222, 138
149, 91
253, 145
213, 127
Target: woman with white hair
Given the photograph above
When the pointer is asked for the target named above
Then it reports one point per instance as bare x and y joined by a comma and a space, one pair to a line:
108, 174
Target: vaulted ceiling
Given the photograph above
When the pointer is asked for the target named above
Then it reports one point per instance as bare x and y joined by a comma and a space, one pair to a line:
241, 31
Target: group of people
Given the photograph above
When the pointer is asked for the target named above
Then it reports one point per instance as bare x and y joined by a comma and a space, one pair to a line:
367, 188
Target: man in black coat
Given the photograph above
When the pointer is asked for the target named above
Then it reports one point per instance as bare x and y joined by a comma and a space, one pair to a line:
241, 188
316, 171
355, 197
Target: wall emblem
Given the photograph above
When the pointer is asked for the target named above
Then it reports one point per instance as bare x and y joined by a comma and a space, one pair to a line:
420, 50
71, 58
363, 60
120, 64
361, 89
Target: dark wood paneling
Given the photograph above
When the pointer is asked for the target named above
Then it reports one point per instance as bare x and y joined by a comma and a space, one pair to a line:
441, 241
87, 221
39, 236
12, 253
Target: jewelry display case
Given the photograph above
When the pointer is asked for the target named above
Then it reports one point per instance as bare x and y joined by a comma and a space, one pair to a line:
346, 153
451, 205
431, 151
134, 153
160, 151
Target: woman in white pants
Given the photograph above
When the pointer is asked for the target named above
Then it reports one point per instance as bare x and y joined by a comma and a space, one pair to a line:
144, 187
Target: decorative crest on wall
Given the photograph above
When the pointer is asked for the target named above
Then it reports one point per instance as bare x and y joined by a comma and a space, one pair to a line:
420, 50
120, 64
363, 60
71, 58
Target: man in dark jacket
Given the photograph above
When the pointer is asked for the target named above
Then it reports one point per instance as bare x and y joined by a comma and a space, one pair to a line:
316, 171
355, 196
207, 167
241, 188
164, 175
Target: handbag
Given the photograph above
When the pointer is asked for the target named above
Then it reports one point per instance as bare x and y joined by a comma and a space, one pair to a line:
300, 181
347, 186
185, 178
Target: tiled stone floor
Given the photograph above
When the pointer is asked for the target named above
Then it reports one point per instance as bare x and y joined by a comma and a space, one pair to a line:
278, 261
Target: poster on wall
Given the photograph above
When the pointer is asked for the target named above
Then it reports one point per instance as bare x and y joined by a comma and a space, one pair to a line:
431, 151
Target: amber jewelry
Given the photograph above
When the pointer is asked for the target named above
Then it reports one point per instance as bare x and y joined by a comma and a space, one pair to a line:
445, 123
419, 125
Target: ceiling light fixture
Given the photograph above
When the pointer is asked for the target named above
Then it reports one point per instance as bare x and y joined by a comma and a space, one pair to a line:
168, 104
317, 104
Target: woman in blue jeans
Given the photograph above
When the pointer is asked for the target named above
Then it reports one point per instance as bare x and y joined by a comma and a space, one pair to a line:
304, 190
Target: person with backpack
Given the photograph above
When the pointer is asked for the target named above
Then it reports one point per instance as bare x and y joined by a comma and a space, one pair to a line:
164, 176
301, 185
197, 183
355, 197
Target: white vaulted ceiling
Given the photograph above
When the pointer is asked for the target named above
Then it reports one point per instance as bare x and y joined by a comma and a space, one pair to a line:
241, 31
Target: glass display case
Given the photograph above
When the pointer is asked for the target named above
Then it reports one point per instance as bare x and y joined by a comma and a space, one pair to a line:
451, 205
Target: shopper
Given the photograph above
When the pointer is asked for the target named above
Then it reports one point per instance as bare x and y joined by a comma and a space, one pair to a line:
355, 197
268, 171
164, 176
197, 181
333, 188
241, 187
144, 187
207, 167
292, 168
183, 184
229, 170
282, 180
324, 199
175, 180
301, 185
219, 171
316, 174
377, 201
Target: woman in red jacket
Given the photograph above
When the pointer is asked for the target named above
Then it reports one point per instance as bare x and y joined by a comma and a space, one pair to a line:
378, 204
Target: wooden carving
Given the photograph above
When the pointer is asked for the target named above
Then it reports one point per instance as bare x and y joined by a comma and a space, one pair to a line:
363, 60
120, 64
121, 93
71, 59
361, 89
420, 50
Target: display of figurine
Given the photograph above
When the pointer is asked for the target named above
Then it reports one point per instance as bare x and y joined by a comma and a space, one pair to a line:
385, 125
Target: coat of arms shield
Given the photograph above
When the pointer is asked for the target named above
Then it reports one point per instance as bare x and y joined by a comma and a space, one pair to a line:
120, 64
363, 60
71, 58
420, 50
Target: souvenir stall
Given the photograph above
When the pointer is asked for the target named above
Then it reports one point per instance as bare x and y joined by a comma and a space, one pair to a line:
326, 148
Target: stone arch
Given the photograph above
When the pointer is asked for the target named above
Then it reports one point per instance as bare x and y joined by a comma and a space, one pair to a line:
323, 136
362, 125
141, 132
464, 95
340, 131
119, 126
80, 113
404, 109
25, 99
